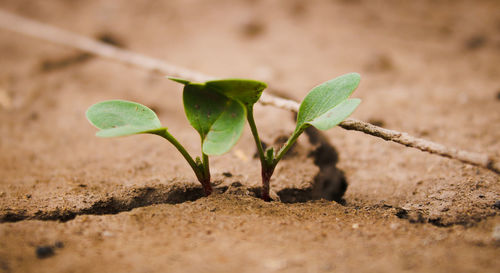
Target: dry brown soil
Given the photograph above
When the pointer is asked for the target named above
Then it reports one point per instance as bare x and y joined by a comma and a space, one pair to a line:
70, 202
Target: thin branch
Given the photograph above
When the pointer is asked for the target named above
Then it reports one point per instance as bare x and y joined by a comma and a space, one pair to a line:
46, 32
477, 159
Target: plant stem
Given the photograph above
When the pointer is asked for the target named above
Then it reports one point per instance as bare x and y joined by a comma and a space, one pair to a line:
206, 174
165, 134
200, 173
206, 166
287, 146
255, 134
207, 187
266, 169
266, 179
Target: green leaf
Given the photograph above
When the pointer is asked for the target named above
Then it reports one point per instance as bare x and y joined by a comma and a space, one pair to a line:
245, 91
218, 119
336, 115
327, 105
121, 118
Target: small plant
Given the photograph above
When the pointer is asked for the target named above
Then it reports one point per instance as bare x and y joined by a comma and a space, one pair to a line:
218, 119
324, 107
217, 110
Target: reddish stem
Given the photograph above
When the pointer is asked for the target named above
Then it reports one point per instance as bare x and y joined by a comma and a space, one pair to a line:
207, 187
266, 178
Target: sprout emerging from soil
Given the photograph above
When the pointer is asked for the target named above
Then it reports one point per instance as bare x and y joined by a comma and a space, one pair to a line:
217, 110
324, 107
219, 120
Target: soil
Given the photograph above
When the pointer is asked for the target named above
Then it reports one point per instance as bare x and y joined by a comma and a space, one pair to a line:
71, 202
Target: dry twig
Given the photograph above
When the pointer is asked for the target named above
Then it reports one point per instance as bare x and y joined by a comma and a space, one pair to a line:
46, 32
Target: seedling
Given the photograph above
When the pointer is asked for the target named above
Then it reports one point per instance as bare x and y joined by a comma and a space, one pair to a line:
217, 118
324, 107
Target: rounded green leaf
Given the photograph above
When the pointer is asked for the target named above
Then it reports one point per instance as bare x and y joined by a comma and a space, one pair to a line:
121, 118
326, 105
226, 130
218, 119
245, 91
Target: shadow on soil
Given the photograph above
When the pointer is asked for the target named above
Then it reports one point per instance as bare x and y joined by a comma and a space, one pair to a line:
123, 201
146, 196
417, 217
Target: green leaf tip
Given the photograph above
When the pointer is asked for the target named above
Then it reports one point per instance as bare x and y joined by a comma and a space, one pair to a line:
122, 118
327, 104
181, 81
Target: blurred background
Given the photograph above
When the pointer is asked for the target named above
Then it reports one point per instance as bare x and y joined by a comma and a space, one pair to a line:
428, 67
